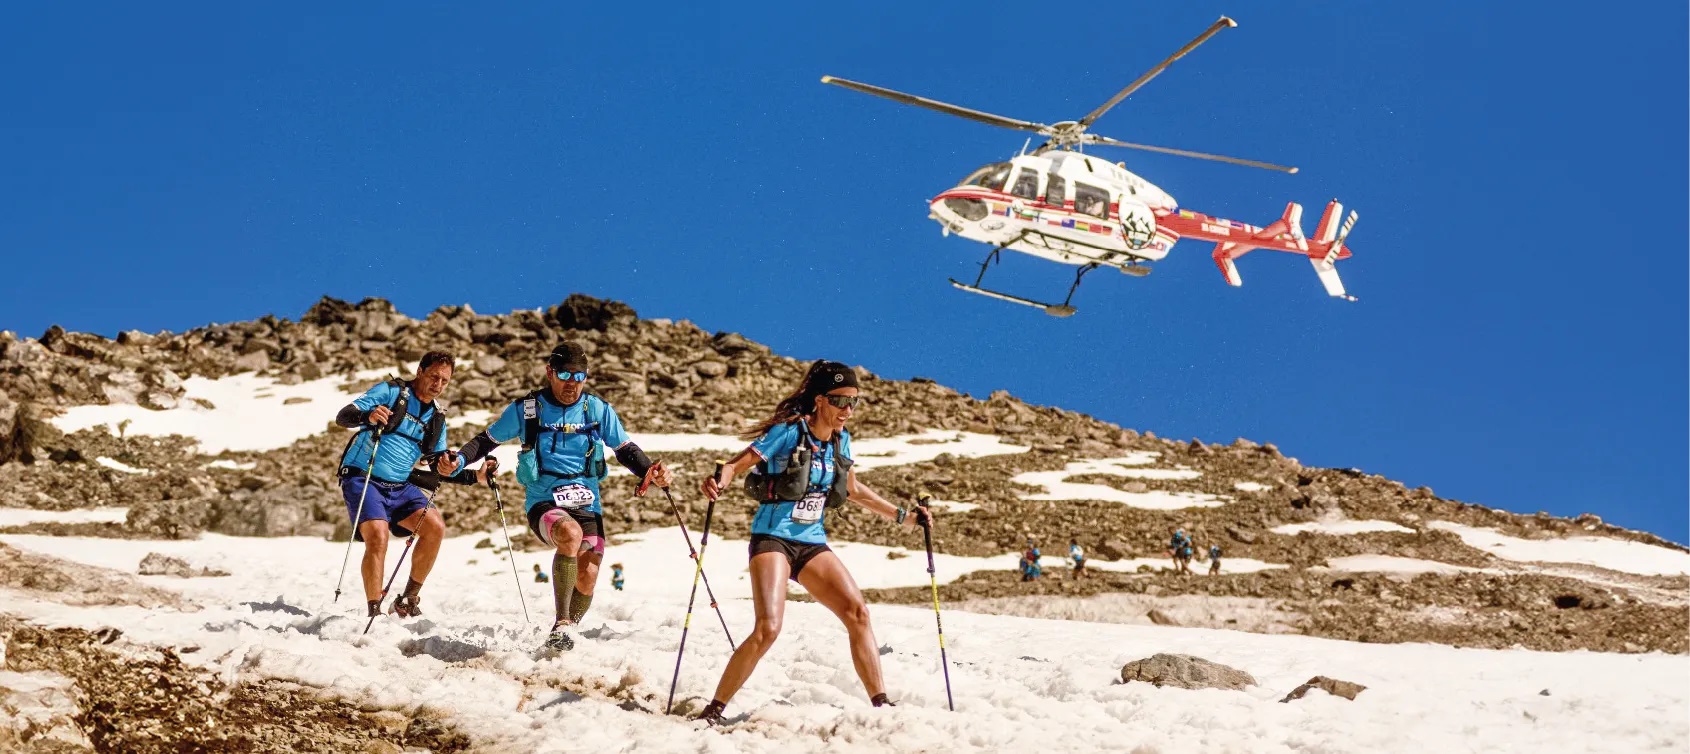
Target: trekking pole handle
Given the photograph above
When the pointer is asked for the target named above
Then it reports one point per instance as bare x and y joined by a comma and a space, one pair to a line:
926, 522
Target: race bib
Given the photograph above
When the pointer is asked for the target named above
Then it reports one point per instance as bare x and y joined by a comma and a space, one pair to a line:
572, 496
809, 510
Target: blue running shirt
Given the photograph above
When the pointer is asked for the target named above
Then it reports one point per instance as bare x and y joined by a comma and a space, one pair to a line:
562, 449
401, 449
777, 519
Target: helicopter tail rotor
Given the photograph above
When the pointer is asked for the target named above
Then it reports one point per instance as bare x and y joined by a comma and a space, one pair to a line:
1330, 234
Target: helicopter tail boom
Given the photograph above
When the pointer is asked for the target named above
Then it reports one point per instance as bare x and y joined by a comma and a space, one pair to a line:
1234, 239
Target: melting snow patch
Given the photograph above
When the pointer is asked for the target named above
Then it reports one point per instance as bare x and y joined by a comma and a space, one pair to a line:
1058, 488
233, 466
1394, 564
1341, 527
116, 465
1251, 487
248, 412
1604, 552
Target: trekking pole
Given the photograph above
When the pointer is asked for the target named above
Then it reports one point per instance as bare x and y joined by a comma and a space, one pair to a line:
368, 475
500, 500
703, 540
396, 566
932, 580
708, 592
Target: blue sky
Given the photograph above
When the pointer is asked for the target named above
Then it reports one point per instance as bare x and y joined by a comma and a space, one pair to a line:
1521, 258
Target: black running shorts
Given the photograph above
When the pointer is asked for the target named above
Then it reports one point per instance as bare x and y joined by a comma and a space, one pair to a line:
797, 553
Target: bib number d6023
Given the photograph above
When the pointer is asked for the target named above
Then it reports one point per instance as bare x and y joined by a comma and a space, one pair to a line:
809, 510
572, 496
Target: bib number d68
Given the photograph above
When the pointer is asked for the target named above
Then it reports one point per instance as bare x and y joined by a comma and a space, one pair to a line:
809, 510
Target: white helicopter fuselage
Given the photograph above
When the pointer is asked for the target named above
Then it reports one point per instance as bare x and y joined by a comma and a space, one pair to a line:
1062, 206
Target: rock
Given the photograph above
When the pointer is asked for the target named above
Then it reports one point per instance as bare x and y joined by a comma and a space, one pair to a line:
39, 711
158, 564
390, 722
583, 312
733, 344
257, 361
170, 519
489, 364
383, 747
135, 338
1239, 535
711, 369
1331, 686
1161, 619
1186, 672
158, 400
1113, 549
1199, 448
477, 388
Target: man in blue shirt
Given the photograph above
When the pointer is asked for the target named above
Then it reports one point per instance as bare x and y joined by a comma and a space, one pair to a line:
1180, 549
564, 431
1214, 559
376, 478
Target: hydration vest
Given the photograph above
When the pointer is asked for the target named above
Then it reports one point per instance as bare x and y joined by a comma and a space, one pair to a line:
793, 482
432, 429
594, 466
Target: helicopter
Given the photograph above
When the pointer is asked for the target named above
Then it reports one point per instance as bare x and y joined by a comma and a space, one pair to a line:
1060, 204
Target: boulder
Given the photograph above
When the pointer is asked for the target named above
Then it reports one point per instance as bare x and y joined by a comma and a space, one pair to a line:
1161, 619
1331, 686
1186, 672
159, 564
1113, 549
170, 519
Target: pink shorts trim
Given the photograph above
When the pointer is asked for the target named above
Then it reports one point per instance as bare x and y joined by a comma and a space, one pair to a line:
592, 542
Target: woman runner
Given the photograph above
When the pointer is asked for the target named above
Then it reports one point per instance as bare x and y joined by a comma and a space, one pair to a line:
802, 460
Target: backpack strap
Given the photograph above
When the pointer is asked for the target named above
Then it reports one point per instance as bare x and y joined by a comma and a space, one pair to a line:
530, 420
396, 412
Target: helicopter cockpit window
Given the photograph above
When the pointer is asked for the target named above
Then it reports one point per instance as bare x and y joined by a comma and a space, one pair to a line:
1091, 200
992, 176
1026, 184
1057, 191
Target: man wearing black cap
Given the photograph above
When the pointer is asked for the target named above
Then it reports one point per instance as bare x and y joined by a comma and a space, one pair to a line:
564, 431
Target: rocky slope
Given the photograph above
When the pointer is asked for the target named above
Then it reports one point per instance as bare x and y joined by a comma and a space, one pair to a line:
674, 377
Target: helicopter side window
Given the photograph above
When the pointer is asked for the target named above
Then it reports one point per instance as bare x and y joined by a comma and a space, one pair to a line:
1057, 191
992, 177
1091, 200
1026, 184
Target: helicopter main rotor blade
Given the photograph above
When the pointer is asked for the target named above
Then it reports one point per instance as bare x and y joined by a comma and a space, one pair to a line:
1223, 23
1095, 139
943, 107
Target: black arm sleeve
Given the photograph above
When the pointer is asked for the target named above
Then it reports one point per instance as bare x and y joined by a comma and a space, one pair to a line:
350, 417
634, 459
477, 448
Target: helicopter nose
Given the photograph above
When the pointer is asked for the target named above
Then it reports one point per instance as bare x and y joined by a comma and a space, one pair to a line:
965, 209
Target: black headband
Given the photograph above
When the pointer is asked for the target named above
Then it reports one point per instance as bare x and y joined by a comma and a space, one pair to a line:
829, 375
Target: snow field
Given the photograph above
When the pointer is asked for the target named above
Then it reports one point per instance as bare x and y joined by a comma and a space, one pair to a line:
1341, 527
1019, 683
1605, 552
1058, 488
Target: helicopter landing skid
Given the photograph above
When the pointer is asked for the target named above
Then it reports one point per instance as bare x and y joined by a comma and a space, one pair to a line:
1054, 310
1063, 309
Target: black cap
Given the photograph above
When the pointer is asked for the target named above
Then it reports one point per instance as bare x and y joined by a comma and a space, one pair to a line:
568, 357
829, 375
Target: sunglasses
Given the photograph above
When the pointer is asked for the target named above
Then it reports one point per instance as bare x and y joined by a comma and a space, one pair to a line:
572, 376
842, 401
